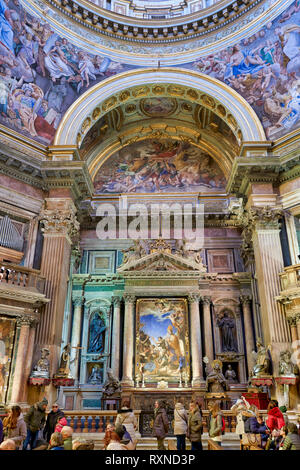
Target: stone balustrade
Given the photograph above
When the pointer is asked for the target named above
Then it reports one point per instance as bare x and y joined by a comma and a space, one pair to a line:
290, 277
20, 276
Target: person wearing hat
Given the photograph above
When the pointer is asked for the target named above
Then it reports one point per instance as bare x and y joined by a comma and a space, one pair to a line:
114, 438
35, 420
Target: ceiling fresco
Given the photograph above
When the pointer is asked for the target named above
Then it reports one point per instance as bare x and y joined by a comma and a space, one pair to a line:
42, 73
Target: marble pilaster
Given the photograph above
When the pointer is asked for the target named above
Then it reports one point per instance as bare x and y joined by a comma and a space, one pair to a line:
60, 226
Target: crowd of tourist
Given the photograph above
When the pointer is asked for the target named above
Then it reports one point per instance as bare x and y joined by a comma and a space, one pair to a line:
40, 431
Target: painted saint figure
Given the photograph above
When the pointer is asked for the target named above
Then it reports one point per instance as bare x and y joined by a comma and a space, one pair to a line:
97, 334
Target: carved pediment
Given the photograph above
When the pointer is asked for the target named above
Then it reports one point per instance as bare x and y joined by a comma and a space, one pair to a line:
162, 261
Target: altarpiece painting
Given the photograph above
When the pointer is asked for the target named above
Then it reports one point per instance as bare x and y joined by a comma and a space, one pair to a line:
162, 343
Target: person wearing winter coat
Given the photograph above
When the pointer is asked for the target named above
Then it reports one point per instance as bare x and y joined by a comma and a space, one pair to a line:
35, 420
275, 419
52, 420
160, 425
180, 424
14, 427
67, 433
239, 409
194, 431
215, 422
255, 425
292, 440
126, 417
60, 424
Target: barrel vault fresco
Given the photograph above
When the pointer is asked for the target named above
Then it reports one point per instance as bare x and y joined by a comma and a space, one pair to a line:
42, 73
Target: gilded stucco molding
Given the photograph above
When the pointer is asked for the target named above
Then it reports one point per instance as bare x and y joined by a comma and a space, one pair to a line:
193, 86
204, 37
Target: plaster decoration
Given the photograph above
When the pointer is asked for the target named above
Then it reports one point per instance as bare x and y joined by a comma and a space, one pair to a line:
240, 114
61, 220
204, 39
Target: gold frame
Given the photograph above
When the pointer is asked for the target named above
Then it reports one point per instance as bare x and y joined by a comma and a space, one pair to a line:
187, 367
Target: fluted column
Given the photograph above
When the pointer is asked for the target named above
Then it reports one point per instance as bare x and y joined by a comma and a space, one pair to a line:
115, 345
18, 386
76, 336
128, 352
250, 346
197, 366
29, 356
60, 227
264, 225
208, 336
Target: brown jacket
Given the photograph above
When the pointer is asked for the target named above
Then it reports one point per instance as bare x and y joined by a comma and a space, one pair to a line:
195, 426
161, 423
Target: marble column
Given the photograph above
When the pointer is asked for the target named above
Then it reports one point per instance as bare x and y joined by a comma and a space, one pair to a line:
249, 338
264, 222
197, 366
295, 333
115, 345
23, 327
208, 334
76, 336
29, 355
128, 352
60, 226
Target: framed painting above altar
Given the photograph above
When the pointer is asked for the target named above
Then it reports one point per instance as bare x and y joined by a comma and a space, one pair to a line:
162, 340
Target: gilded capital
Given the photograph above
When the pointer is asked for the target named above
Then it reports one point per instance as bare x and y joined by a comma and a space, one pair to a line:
25, 320
245, 299
58, 217
116, 301
206, 300
194, 298
129, 298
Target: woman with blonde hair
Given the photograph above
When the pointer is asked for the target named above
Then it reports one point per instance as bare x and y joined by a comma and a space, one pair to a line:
215, 422
14, 426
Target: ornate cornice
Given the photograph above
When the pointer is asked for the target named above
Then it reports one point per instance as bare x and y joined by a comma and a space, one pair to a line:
22, 295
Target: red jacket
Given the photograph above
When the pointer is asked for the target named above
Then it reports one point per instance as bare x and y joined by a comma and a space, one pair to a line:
60, 424
275, 419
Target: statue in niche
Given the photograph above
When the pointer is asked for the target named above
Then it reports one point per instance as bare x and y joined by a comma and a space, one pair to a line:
215, 380
95, 376
286, 366
227, 326
41, 368
111, 385
230, 375
97, 334
262, 360
64, 366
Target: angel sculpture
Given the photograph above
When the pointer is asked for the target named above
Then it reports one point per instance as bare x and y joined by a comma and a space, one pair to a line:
135, 252
286, 366
262, 360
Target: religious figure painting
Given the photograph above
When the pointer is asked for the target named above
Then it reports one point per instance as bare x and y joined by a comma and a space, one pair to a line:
158, 107
162, 340
7, 334
97, 329
159, 166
